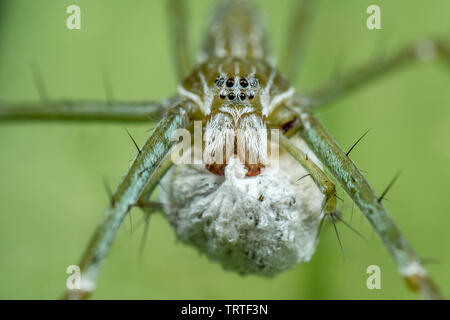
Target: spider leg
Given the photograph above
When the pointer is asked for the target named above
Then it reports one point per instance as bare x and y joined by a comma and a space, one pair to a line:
177, 18
358, 188
423, 50
296, 41
163, 167
148, 208
319, 177
324, 184
133, 186
83, 111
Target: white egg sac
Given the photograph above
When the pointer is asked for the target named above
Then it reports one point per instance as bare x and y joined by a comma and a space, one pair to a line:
262, 225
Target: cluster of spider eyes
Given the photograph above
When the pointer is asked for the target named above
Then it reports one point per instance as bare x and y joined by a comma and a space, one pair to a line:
230, 83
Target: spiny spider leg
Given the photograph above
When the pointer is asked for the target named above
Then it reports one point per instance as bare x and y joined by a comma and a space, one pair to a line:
136, 182
148, 208
358, 188
296, 41
83, 111
423, 50
320, 178
177, 17
165, 165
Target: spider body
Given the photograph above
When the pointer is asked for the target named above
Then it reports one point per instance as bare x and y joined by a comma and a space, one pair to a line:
238, 207
236, 98
236, 89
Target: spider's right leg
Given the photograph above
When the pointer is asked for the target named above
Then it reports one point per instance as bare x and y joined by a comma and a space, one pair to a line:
297, 36
83, 111
424, 50
358, 188
179, 36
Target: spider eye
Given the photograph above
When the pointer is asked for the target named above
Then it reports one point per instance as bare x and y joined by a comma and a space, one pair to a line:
231, 96
243, 82
230, 82
251, 95
242, 96
253, 82
220, 81
223, 94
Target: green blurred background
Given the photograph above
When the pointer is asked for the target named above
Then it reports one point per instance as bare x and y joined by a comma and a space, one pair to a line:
51, 190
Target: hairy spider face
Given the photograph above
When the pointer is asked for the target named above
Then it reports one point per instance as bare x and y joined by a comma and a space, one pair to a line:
235, 97
235, 130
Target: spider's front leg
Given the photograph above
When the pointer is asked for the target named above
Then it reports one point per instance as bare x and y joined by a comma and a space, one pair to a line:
358, 188
303, 12
143, 174
99, 111
326, 186
177, 14
421, 51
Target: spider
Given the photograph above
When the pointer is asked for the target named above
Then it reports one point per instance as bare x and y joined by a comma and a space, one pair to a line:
235, 86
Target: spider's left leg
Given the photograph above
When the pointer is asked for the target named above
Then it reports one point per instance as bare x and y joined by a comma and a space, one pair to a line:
336, 88
297, 36
100, 111
325, 185
177, 17
139, 180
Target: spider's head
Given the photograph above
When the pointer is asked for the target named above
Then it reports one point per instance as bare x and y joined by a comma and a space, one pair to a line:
236, 98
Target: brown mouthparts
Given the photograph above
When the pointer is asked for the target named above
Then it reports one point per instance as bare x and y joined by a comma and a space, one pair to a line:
219, 169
